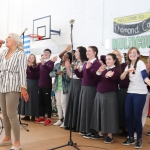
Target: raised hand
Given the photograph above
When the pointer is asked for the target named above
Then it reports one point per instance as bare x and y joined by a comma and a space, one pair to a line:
102, 68
131, 70
54, 59
88, 65
68, 48
148, 82
42, 60
79, 66
109, 74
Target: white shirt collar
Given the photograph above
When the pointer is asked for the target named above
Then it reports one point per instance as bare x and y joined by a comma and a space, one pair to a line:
92, 60
110, 67
45, 60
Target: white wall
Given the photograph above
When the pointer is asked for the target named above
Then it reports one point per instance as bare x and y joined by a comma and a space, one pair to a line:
93, 20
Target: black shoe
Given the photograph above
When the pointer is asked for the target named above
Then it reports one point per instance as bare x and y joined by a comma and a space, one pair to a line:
97, 137
129, 141
27, 118
138, 144
108, 140
82, 133
88, 135
148, 134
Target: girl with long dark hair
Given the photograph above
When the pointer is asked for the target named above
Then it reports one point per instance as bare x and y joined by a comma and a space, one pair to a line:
88, 91
74, 90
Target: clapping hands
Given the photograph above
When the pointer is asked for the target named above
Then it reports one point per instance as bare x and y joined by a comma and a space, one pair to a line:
102, 68
54, 59
88, 65
42, 60
131, 70
68, 48
109, 74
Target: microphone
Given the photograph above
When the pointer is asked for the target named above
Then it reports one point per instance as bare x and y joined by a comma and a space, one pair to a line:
72, 21
2, 42
24, 31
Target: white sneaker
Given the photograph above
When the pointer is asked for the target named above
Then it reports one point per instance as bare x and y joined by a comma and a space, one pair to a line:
62, 126
58, 123
135, 136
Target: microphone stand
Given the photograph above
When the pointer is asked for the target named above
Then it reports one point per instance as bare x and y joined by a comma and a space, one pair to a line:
24, 125
70, 142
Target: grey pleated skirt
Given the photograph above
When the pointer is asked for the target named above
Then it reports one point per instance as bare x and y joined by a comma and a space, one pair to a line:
86, 102
31, 108
122, 92
105, 113
72, 98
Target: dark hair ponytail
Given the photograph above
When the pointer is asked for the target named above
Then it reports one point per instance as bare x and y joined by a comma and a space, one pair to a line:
82, 51
95, 49
117, 64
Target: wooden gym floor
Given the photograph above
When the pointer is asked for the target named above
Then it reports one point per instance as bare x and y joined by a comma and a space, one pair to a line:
42, 137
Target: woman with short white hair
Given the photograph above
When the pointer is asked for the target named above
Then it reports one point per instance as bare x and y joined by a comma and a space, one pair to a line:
13, 64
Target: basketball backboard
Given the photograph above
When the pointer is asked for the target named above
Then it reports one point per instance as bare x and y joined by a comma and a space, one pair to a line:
42, 27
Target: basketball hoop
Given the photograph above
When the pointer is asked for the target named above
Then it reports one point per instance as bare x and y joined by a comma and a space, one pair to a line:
35, 37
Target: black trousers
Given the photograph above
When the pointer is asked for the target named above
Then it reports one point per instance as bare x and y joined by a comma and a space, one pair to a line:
45, 102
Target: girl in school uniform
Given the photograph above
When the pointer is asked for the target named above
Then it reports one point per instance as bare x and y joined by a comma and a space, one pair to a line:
136, 95
105, 114
31, 108
88, 91
74, 89
122, 91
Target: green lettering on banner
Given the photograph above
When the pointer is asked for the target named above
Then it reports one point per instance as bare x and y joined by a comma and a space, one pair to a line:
148, 41
130, 40
143, 41
125, 44
121, 45
115, 43
138, 41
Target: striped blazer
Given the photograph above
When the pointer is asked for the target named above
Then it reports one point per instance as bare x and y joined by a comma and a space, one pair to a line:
13, 71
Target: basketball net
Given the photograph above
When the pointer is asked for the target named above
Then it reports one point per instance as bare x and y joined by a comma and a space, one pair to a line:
35, 37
